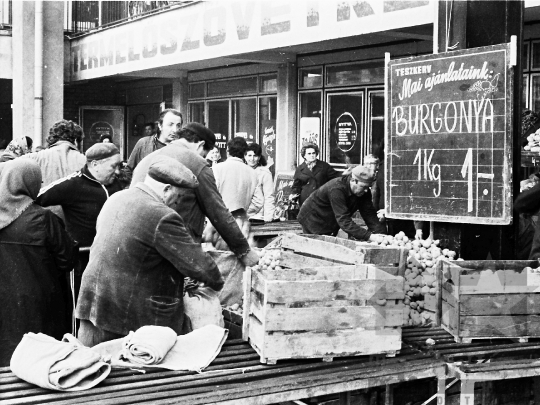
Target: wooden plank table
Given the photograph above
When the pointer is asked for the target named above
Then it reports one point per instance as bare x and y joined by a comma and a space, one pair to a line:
237, 377
273, 229
479, 361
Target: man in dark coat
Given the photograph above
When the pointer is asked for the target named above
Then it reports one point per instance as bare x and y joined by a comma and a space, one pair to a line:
311, 174
332, 206
528, 204
194, 143
140, 256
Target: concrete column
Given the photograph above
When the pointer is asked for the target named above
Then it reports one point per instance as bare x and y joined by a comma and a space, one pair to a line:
23, 68
180, 94
286, 117
53, 64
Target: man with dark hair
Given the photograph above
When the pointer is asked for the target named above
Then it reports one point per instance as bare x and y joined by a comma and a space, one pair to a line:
235, 180
194, 143
170, 121
149, 129
62, 157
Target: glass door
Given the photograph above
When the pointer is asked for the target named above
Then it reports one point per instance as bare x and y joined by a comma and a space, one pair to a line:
344, 140
244, 118
218, 121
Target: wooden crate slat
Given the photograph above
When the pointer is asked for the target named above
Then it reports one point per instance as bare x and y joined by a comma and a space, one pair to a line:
317, 248
291, 260
500, 326
284, 291
317, 273
491, 304
330, 318
343, 343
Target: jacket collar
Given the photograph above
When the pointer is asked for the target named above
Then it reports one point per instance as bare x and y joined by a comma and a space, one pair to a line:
235, 158
67, 143
149, 191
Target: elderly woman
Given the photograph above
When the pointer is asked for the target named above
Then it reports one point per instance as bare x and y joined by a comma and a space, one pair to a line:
311, 174
35, 254
262, 205
16, 148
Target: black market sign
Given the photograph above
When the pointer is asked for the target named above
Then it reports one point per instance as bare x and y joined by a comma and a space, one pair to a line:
346, 130
449, 137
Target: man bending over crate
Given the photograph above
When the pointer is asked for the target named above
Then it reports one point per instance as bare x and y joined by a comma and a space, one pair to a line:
332, 206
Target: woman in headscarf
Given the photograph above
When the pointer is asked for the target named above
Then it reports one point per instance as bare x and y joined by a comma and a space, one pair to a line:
262, 205
16, 148
35, 254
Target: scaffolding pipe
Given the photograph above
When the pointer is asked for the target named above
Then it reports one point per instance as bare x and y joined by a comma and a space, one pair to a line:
38, 74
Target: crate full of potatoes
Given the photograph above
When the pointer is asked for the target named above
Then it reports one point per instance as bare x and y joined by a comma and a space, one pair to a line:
320, 311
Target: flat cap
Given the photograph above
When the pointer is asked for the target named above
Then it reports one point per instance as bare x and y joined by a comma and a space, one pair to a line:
202, 132
364, 174
170, 171
100, 151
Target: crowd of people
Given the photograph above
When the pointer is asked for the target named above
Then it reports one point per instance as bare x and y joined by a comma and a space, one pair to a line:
113, 242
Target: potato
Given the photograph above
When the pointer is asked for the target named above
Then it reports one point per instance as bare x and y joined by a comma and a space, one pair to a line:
433, 291
413, 305
381, 302
425, 290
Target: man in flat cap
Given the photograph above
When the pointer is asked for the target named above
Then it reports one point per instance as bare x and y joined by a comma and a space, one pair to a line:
194, 143
139, 258
332, 206
82, 195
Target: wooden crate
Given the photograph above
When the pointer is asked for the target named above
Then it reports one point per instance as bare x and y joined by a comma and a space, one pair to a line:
393, 260
322, 312
490, 299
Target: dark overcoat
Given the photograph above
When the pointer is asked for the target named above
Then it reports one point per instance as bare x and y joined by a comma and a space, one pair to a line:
332, 206
307, 181
138, 261
36, 252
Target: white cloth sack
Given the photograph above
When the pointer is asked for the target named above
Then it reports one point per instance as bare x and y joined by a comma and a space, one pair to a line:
232, 270
203, 307
148, 345
191, 352
62, 366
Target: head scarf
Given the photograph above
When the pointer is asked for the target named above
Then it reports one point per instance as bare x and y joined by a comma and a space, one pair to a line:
17, 147
20, 181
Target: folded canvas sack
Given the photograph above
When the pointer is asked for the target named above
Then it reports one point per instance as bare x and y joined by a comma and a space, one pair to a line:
63, 366
148, 345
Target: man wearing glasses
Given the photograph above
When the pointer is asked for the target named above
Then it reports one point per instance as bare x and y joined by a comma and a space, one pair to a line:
333, 205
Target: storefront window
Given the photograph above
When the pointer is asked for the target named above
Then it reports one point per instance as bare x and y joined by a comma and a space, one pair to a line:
345, 142
244, 115
309, 126
196, 112
525, 92
525, 56
357, 73
196, 90
268, 84
535, 55
231, 87
218, 121
376, 124
310, 77
267, 129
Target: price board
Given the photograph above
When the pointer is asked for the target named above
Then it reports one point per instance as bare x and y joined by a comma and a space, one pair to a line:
282, 191
449, 137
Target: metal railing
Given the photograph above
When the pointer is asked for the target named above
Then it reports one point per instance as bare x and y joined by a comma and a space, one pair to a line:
6, 14
83, 16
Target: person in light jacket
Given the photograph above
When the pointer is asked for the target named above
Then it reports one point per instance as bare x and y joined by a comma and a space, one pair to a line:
262, 205
311, 174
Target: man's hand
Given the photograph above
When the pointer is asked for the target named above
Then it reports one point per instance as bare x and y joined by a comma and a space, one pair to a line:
293, 196
376, 237
381, 214
250, 259
418, 235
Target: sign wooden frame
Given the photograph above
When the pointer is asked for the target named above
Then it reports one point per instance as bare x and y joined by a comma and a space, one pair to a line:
448, 136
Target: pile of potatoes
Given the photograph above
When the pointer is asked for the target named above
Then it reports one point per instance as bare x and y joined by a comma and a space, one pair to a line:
420, 277
269, 259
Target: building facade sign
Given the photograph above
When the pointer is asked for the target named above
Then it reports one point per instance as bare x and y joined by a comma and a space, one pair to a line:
209, 30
